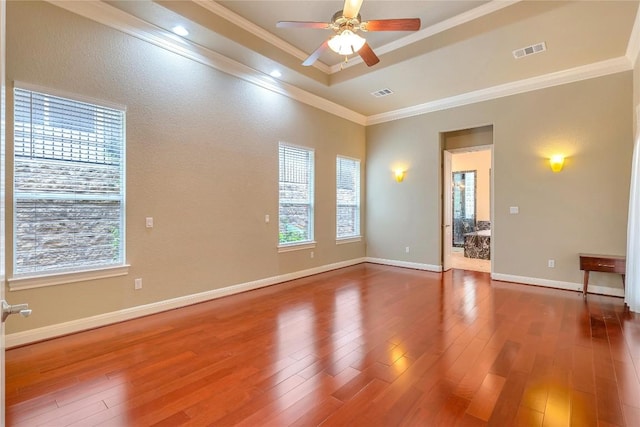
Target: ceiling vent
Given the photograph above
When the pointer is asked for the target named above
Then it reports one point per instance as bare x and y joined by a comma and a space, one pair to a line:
382, 92
529, 50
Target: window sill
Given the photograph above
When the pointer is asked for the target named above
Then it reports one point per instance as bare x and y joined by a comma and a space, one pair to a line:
345, 240
296, 246
17, 283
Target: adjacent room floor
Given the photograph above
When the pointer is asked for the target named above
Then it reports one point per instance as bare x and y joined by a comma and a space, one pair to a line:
458, 260
367, 345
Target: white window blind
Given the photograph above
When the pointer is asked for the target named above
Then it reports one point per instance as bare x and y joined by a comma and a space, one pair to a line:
296, 194
347, 197
68, 184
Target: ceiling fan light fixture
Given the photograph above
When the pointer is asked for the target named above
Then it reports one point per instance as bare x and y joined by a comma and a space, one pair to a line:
180, 30
346, 23
346, 43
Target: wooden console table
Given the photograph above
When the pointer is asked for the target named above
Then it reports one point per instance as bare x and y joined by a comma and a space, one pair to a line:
603, 263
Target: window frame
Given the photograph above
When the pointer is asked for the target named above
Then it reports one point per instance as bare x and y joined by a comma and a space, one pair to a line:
310, 242
88, 271
356, 237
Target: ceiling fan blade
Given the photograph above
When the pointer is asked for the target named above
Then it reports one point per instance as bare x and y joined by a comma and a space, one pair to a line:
367, 55
406, 24
351, 8
316, 54
302, 24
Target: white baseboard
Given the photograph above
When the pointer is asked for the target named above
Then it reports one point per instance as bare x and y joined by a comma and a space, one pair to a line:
65, 328
556, 284
405, 264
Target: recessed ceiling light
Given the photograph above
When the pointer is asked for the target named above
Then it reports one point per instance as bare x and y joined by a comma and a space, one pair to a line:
275, 73
180, 30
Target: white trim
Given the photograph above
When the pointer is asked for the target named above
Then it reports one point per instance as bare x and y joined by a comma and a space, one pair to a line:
69, 95
345, 240
556, 284
584, 72
348, 157
474, 148
65, 328
283, 45
633, 47
432, 30
637, 121
18, 283
259, 32
290, 247
405, 264
3, 105
110, 16
299, 146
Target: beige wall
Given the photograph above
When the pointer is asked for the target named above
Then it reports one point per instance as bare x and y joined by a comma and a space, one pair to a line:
479, 161
581, 209
201, 159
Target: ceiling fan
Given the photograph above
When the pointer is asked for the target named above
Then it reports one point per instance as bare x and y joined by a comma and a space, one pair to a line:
346, 23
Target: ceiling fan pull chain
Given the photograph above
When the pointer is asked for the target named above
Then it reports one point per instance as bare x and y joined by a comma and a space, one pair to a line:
346, 59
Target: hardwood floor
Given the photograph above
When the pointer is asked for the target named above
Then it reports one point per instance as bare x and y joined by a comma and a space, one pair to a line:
367, 345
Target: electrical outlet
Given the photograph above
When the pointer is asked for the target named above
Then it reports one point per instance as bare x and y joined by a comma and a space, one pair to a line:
266, 219
406, 249
551, 263
137, 284
311, 255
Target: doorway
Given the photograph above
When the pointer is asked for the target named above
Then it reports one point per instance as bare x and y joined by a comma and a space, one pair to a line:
467, 199
464, 201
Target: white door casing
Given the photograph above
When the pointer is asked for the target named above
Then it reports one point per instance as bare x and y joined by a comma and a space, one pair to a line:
446, 210
3, 39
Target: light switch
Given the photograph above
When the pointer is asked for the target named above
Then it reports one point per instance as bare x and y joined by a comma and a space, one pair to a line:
149, 222
514, 210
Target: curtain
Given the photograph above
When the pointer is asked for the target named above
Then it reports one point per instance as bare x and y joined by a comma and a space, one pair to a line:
632, 291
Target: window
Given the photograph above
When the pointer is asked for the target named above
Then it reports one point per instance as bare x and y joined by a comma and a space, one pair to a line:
296, 195
68, 185
347, 198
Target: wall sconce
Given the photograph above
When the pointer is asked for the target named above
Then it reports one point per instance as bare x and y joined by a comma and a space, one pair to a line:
556, 162
399, 173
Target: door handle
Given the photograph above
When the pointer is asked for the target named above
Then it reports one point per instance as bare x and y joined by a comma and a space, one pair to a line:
22, 309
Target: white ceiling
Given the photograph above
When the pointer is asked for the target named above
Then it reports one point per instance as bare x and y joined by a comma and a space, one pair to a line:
464, 48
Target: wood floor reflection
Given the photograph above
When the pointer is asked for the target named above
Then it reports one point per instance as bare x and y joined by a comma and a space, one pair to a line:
367, 345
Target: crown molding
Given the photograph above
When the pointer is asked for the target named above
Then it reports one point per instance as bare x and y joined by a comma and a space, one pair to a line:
432, 30
110, 16
234, 18
633, 48
571, 75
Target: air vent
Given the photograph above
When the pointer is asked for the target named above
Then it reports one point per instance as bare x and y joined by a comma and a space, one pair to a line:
529, 50
382, 92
